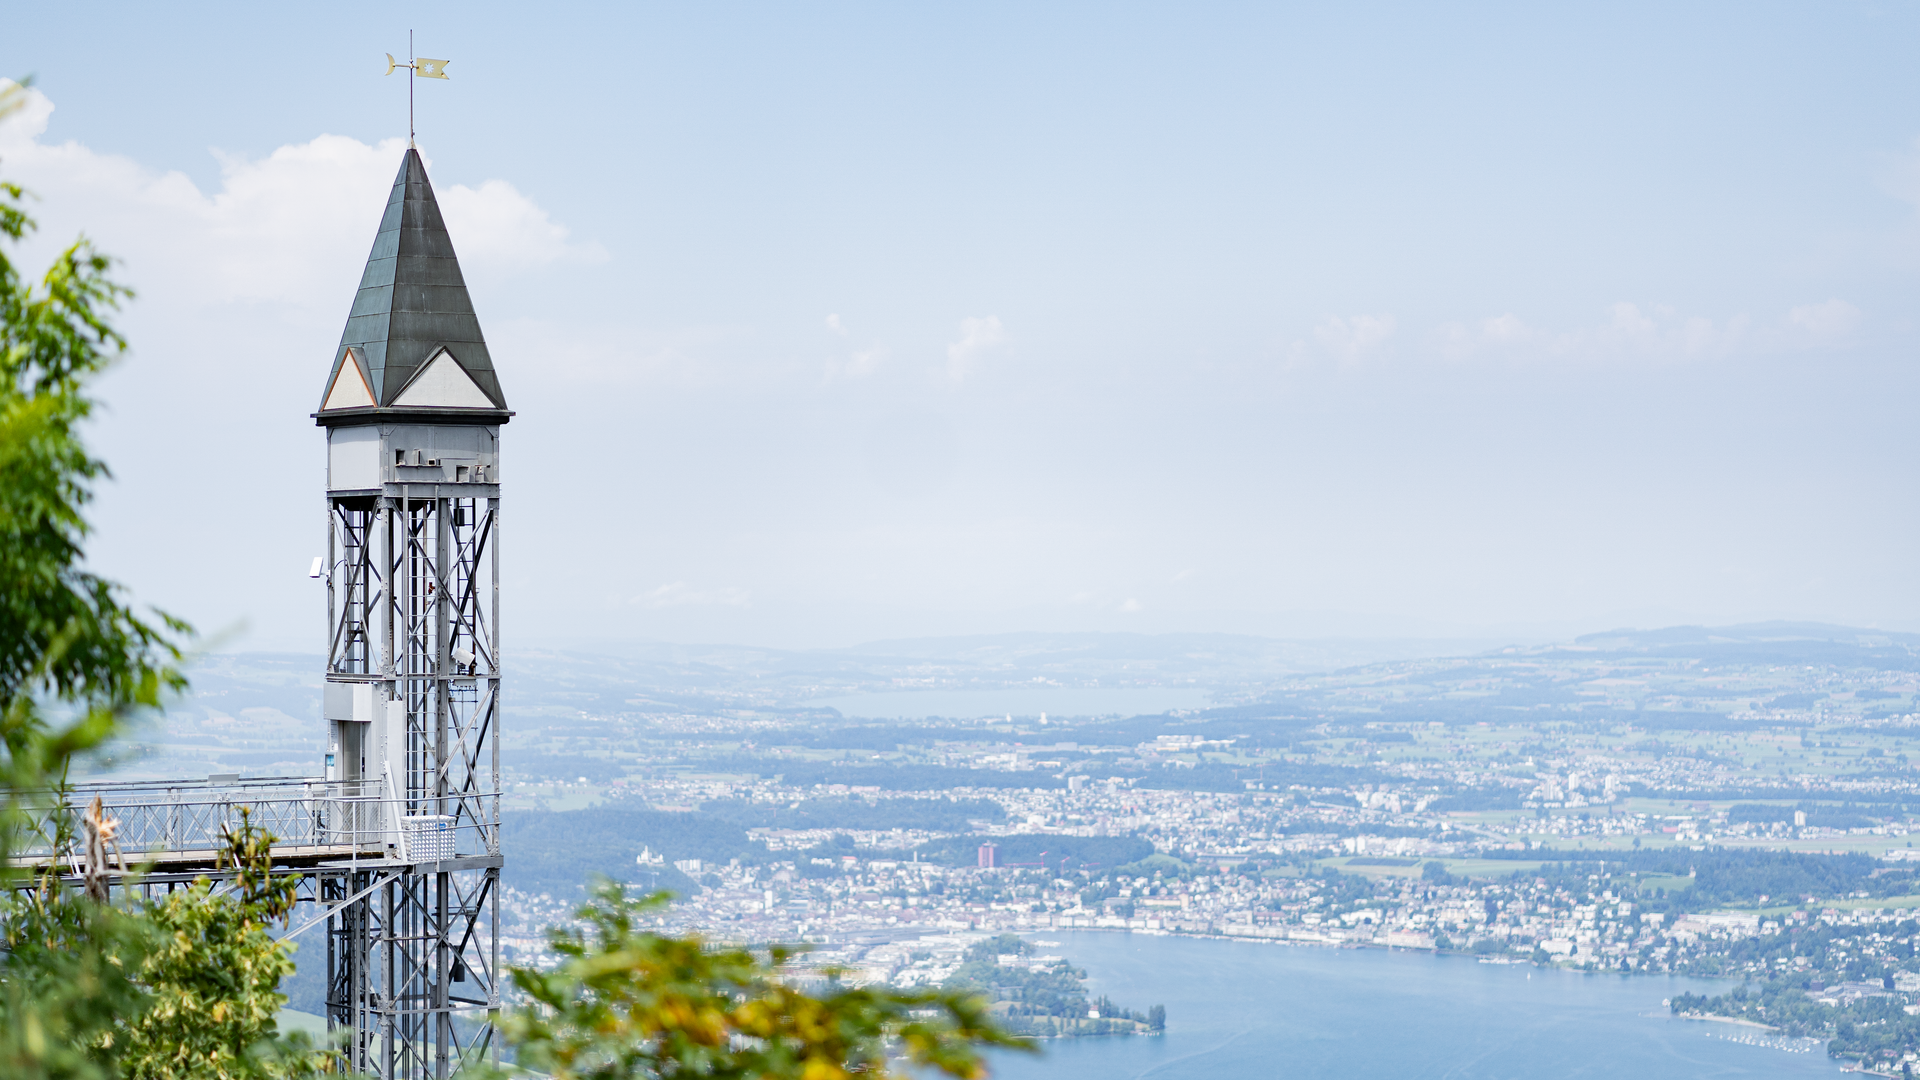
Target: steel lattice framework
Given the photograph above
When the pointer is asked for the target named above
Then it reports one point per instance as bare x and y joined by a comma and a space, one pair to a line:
413, 603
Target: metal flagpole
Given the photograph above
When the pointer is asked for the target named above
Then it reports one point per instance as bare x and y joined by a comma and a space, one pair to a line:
433, 69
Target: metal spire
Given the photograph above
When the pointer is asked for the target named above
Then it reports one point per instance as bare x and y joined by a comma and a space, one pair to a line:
413, 301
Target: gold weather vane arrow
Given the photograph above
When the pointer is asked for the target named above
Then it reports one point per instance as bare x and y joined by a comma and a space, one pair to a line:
419, 65
416, 65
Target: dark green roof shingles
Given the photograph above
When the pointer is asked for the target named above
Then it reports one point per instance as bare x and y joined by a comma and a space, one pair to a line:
413, 299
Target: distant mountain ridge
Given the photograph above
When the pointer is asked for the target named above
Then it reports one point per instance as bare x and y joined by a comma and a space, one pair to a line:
1775, 631
1759, 643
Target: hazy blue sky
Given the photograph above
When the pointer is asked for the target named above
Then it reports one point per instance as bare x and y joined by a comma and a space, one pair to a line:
835, 322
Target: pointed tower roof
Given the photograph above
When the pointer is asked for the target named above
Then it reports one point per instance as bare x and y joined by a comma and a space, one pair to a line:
412, 343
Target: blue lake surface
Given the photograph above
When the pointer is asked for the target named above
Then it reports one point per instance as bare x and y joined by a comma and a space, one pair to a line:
1054, 701
1253, 1010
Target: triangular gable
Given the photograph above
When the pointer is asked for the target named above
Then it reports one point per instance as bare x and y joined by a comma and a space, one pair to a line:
349, 389
443, 384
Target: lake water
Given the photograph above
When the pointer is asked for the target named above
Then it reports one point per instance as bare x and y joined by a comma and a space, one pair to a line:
1054, 701
1246, 1010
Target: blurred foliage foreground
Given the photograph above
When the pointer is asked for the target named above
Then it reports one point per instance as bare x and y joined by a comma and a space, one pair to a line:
624, 1002
97, 982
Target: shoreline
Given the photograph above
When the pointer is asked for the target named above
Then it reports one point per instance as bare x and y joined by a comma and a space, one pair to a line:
1508, 960
1713, 1018
1248, 939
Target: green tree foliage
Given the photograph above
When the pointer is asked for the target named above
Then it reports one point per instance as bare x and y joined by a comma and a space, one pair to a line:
625, 1002
554, 851
886, 776
1343, 889
186, 989
90, 991
1819, 815
1045, 998
1831, 953
213, 972
1719, 876
64, 984
930, 815
74, 658
1023, 849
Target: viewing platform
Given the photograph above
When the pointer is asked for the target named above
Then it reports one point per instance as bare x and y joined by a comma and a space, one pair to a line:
170, 829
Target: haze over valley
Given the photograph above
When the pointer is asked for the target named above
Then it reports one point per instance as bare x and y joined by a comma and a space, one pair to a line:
1671, 800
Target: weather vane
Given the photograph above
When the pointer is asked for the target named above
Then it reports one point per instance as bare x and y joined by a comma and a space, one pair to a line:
416, 65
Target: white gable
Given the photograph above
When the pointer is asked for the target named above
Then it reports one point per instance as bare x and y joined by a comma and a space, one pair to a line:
443, 384
349, 390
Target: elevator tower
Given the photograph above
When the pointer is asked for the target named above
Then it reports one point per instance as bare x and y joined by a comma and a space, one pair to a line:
412, 411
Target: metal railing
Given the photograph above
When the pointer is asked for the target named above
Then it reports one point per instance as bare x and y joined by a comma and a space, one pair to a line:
171, 820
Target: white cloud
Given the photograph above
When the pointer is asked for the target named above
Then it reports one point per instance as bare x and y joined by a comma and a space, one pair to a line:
857, 364
1659, 333
1129, 607
1835, 318
1627, 321
833, 324
283, 229
500, 227
1350, 337
1627, 330
1655, 332
1456, 340
680, 594
1505, 328
977, 335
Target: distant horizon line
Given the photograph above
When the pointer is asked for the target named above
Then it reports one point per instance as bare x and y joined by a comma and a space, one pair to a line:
1809, 627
